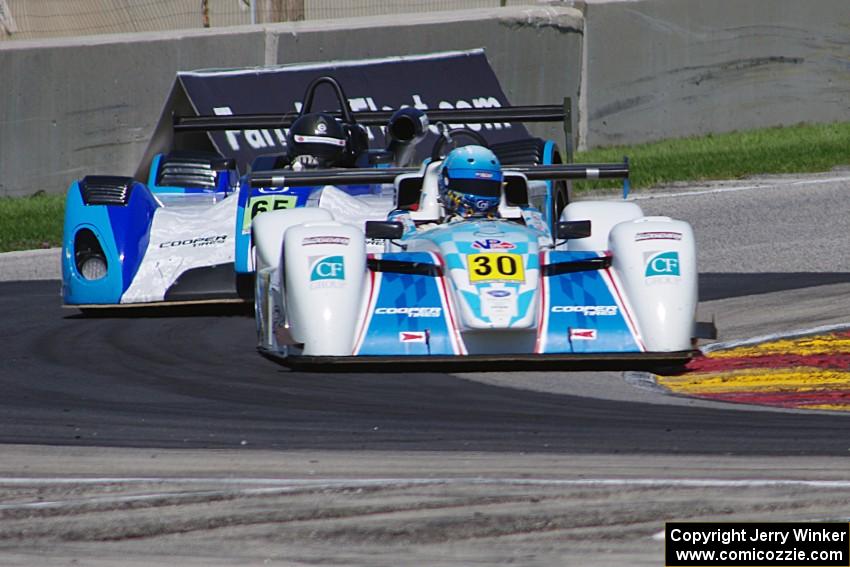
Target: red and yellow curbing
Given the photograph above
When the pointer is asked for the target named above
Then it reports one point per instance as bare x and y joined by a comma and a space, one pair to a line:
809, 372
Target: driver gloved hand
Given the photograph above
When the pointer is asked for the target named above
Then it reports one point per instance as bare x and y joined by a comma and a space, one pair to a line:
304, 162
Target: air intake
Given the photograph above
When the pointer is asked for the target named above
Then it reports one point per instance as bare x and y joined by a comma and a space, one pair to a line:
106, 190
188, 170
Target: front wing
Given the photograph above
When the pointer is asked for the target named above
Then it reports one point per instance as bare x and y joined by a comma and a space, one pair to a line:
572, 362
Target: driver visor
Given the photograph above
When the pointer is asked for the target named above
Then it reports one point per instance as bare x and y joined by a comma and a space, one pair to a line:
479, 186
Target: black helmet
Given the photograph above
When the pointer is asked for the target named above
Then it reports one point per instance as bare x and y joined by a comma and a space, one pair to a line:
321, 136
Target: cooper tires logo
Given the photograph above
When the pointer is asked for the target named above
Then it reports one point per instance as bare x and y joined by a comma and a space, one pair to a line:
196, 242
410, 311
587, 310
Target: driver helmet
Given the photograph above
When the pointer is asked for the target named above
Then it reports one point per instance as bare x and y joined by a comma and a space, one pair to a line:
317, 140
470, 182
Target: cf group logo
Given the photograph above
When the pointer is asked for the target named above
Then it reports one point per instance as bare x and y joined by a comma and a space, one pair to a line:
662, 264
327, 268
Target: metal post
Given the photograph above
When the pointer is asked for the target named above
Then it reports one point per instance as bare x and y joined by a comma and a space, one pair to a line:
205, 13
568, 129
253, 12
288, 10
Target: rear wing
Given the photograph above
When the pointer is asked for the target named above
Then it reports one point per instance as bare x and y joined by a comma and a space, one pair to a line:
532, 113
288, 178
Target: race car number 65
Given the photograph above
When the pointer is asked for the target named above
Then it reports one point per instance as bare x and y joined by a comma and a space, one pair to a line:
495, 267
259, 205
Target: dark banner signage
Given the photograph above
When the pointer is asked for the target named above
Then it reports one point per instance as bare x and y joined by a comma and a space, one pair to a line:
447, 80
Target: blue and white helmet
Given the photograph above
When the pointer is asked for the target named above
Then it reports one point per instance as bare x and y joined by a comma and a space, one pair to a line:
471, 182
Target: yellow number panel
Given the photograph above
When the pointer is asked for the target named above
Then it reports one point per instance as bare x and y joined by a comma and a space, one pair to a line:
495, 268
257, 205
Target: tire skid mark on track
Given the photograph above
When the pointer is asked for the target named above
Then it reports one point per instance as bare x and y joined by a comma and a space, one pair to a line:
351, 483
459, 510
408, 510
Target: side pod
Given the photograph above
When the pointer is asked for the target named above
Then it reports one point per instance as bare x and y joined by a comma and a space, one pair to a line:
324, 276
603, 216
267, 237
655, 259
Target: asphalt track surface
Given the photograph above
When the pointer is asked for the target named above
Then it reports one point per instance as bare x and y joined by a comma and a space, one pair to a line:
195, 382
168, 440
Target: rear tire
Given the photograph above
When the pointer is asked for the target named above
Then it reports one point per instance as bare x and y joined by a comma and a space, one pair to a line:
560, 199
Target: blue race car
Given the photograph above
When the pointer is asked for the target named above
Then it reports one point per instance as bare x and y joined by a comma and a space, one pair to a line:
183, 235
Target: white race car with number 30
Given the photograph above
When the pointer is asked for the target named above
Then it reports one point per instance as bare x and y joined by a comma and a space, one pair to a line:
604, 284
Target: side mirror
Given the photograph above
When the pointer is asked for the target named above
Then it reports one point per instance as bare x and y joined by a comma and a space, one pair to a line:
409, 192
568, 230
385, 230
516, 190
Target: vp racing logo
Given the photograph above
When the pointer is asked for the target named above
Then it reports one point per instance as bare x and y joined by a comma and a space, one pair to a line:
327, 271
493, 244
662, 264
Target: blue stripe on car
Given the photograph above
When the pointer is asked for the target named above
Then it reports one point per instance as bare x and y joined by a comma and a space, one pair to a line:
584, 289
383, 337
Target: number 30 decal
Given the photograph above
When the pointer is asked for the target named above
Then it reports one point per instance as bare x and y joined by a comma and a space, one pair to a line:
495, 267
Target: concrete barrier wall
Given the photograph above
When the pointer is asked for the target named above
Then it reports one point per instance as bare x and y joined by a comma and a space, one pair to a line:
645, 70
70, 108
89, 106
535, 52
658, 69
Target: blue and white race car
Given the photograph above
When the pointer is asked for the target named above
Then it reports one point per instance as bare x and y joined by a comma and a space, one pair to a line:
183, 235
471, 271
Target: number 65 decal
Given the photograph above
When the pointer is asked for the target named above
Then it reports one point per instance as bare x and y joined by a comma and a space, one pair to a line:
495, 267
257, 205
